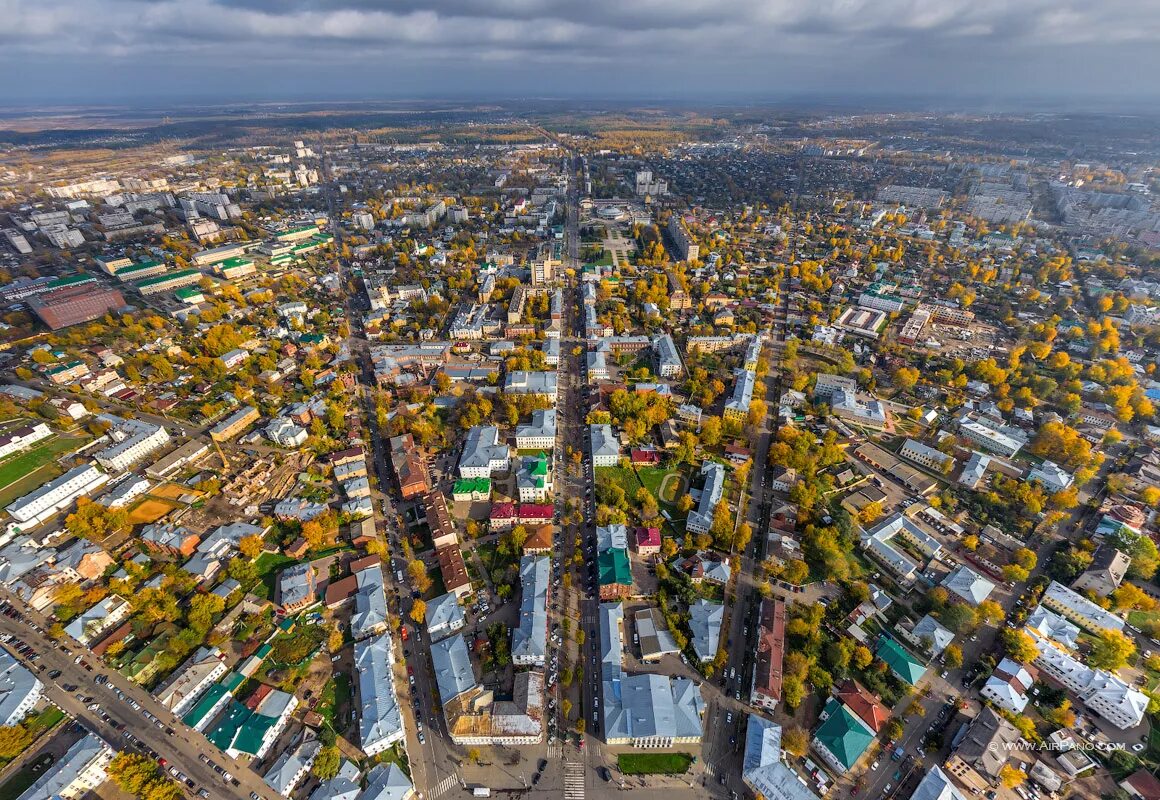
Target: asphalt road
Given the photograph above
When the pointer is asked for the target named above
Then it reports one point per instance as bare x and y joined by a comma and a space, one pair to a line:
181, 749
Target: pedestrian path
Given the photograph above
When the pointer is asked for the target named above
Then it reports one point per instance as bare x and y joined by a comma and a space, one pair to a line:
444, 786
573, 781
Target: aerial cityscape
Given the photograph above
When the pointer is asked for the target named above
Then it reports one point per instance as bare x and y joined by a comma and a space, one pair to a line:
510, 435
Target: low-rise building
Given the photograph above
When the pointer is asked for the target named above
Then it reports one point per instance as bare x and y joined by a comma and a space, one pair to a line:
530, 636
1079, 609
191, 680
380, 720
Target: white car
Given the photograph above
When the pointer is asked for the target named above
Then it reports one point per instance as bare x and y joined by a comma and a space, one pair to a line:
874, 765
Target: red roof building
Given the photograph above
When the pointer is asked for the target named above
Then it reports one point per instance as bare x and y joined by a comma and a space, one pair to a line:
534, 513
770, 652
644, 458
648, 541
863, 703
503, 516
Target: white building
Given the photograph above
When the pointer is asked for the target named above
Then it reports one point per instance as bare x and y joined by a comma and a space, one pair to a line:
1053, 477
19, 690
1008, 685
282, 431
89, 626
23, 438
1103, 693
668, 359
191, 680
605, 447
291, 767
540, 434
57, 495
530, 636
133, 440
990, 439
701, 520
926, 455
380, 721
483, 454
79, 771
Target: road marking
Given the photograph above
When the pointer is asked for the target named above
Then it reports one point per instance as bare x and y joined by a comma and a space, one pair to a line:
444, 786
555, 750
573, 781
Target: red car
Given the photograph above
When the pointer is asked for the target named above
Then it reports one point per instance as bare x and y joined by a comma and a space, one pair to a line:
410, 670
405, 633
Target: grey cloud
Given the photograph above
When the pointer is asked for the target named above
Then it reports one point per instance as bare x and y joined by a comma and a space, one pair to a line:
661, 47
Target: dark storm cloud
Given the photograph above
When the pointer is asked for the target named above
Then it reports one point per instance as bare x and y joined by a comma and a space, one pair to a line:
661, 48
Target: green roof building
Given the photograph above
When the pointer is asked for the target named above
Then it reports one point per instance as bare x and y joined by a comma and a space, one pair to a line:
213, 701
901, 663
471, 489
190, 294
842, 738
169, 281
614, 568
229, 730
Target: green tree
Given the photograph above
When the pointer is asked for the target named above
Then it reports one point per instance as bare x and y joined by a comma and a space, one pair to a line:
327, 763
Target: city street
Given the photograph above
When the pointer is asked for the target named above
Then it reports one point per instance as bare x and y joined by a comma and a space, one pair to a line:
181, 749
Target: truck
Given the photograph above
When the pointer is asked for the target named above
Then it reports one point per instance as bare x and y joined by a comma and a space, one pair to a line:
481, 791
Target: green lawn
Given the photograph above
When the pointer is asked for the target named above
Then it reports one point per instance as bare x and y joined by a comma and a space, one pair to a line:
268, 565
20, 781
44, 721
1142, 618
625, 478
336, 691
23, 472
654, 477
396, 755
654, 763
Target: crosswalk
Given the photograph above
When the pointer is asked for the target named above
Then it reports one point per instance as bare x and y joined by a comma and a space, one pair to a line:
444, 786
555, 750
710, 769
573, 781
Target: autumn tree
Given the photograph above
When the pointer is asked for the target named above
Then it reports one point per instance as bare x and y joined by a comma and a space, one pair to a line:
795, 741
94, 521
1011, 776
419, 611
417, 572
1020, 646
251, 546
14, 740
1111, 651
953, 656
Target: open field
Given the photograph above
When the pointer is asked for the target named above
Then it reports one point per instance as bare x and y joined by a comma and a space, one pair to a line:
23, 472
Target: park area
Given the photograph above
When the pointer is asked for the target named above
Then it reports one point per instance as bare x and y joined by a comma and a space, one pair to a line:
654, 763
667, 484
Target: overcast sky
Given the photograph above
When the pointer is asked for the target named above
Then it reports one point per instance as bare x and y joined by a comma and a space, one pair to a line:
116, 50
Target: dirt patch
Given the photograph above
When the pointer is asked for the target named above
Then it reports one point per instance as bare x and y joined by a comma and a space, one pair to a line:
672, 487
171, 491
150, 510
